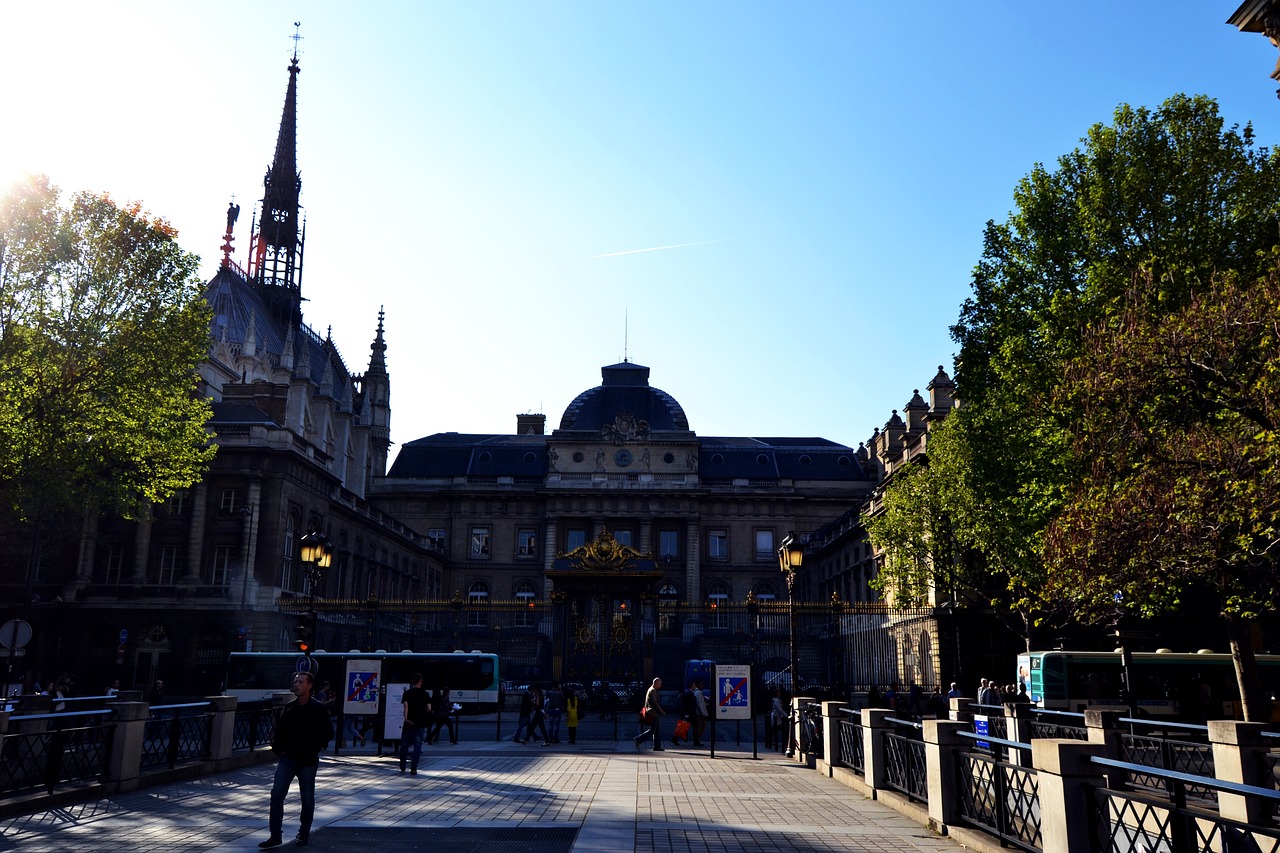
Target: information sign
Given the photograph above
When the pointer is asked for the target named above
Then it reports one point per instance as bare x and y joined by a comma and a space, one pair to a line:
362, 684
733, 692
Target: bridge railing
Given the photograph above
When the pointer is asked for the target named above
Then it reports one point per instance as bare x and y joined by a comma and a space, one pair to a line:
1066, 794
124, 745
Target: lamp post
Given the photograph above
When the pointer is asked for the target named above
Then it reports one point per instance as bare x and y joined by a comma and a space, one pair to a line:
315, 552
790, 556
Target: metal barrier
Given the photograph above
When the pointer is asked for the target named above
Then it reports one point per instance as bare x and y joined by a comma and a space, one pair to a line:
73, 747
1124, 820
1068, 725
255, 725
904, 758
172, 735
852, 746
997, 796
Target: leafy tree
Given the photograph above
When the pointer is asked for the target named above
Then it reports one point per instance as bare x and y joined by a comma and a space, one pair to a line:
102, 326
1170, 192
1180, 423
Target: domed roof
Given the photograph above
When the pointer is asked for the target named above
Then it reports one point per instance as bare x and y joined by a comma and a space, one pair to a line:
625, 391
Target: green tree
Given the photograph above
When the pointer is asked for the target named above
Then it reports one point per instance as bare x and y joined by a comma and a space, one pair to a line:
1171, 192
1180, 423
102, 326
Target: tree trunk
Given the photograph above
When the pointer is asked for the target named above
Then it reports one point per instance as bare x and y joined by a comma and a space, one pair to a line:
1254, 701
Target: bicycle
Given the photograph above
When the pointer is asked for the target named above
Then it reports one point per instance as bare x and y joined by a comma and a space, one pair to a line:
811, 728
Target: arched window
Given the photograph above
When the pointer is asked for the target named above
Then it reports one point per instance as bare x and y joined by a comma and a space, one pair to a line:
526, 595
478, 598
717, 598
668, 621
765, 592
286, 561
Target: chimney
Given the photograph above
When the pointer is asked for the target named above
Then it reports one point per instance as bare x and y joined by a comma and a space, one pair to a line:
531, 424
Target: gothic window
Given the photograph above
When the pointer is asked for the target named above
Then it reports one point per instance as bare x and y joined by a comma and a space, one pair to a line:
286, 557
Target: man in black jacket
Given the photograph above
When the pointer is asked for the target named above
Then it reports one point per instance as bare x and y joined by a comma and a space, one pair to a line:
302, 731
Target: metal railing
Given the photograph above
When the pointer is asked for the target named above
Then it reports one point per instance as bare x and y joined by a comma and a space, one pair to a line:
75, 748
852, 746
1058, 724
176, 733
1125, 820
905, 769
255, 725
997, 796
1189, 753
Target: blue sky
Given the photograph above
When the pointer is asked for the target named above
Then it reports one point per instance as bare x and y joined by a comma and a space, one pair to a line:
487, 170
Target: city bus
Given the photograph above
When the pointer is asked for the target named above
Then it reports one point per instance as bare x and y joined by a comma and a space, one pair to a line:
368, 681
1192, 687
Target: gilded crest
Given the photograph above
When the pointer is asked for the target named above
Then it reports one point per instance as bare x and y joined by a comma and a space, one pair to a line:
604, 554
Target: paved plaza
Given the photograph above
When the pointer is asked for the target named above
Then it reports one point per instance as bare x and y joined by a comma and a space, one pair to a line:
594, 797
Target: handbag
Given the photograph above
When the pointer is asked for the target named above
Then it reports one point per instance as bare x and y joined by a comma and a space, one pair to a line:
682, 729
644, 716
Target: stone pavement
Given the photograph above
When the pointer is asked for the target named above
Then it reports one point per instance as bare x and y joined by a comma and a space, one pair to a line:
595, 797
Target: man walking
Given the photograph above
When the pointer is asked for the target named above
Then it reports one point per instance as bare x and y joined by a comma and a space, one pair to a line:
652, 710
301, 733
417, 716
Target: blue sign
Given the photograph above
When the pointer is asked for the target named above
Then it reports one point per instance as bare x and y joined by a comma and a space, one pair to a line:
124, 635
305, 664
733, 692
981, 727
362, 687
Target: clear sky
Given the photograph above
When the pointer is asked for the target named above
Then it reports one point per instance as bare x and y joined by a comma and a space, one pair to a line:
811, 179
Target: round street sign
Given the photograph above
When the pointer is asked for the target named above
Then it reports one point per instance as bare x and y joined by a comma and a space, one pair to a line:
124, 635
15, 634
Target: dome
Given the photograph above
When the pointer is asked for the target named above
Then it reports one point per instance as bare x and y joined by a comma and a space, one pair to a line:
624, 391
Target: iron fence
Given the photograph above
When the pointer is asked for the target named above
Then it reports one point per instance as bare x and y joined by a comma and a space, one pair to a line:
255, 725
1067, 725
905, 769
176, 733
75, 748
1000, 797
1124, 820
851, 743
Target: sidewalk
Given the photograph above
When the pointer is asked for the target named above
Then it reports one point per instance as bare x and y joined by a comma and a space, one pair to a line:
596, 797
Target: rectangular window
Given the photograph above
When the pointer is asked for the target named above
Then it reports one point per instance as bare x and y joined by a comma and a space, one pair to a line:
668, 544
435, 538
115, 563
177, 503
479, 543
718, 545
574, 537
220, 571
170, 562
624, 537
527, 543
232, 500
764, 545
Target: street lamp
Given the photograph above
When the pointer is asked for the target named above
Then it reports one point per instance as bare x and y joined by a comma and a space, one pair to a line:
315, 552
790, 556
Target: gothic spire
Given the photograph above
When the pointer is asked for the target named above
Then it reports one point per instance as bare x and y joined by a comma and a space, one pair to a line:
277, 268
378, 355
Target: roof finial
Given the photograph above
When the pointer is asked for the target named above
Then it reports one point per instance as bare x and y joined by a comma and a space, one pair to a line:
626, 330
297, 37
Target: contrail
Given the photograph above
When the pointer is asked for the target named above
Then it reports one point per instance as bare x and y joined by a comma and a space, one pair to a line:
657, 248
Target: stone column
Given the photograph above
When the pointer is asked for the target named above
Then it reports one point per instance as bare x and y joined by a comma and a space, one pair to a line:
1019, 716
941, 740
195, 535
831, 717
1065, 777
142, 545
1237, 757
222, 727
1103, 728
874, 727
126, 743
960, 710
